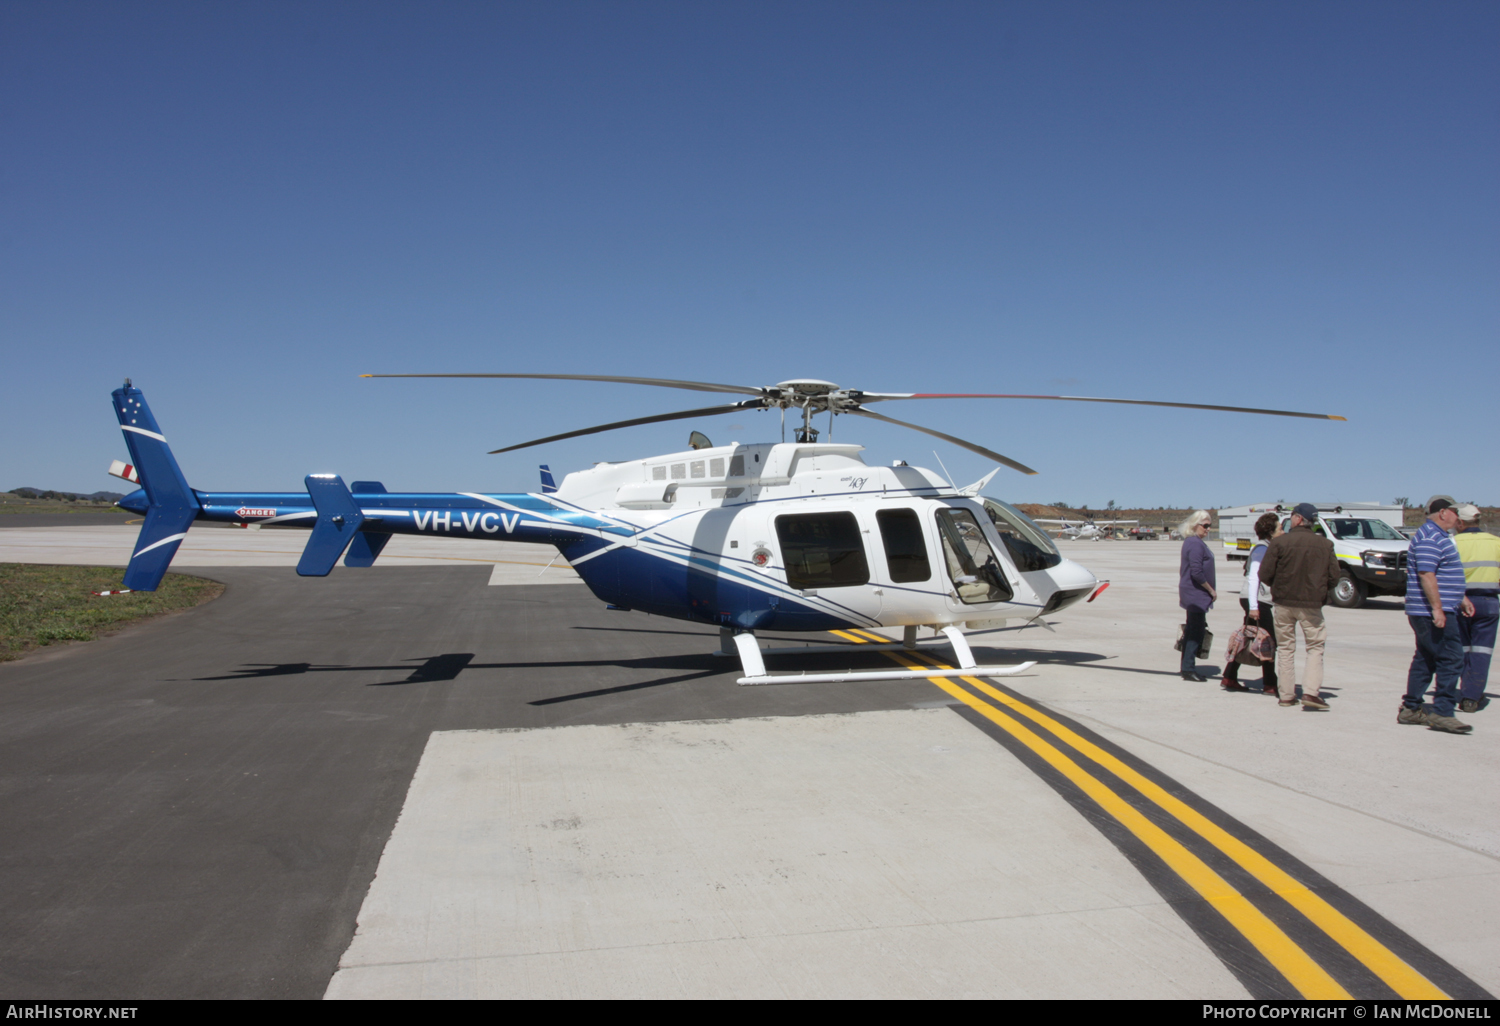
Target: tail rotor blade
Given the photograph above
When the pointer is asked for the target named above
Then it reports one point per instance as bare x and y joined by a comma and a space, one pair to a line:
707, 411
972, 447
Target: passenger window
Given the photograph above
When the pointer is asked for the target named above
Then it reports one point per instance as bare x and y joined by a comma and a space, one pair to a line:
822, 550
905, 548
971, 562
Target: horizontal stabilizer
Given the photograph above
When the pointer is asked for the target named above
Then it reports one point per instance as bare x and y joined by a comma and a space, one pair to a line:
366, 546
367, 488
336, 526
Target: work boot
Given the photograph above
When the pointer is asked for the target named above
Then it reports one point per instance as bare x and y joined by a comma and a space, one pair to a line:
1415, 717
1472, 705
1314, 702
1448, 724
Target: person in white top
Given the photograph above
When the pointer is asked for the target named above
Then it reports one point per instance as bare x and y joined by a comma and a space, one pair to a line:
1255, 599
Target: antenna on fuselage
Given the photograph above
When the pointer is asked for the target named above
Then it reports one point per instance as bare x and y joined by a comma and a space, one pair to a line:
945, 469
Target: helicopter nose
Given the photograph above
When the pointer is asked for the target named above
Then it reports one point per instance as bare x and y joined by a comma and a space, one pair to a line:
1072, 583
1069, 575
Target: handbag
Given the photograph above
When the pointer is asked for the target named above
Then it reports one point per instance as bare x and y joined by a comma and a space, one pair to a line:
1251, 645
1203, 646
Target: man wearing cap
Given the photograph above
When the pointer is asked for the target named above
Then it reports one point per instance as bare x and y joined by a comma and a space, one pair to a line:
1480, 552
1434, 601
1300, 569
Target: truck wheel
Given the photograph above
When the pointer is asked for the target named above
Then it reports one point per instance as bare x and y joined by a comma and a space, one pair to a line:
1349, 593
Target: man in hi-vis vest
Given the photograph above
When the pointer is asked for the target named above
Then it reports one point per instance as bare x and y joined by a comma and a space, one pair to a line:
1480, 552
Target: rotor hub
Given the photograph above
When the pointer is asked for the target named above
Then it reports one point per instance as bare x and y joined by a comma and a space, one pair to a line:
812, 395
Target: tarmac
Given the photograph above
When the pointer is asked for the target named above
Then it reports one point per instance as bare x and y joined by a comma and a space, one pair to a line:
409, 782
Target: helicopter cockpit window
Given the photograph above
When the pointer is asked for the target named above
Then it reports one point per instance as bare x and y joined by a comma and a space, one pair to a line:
972, 565
822, 550
905, 548
1030, 546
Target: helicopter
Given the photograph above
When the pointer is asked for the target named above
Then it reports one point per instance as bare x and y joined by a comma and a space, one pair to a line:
1087, 530
800, 536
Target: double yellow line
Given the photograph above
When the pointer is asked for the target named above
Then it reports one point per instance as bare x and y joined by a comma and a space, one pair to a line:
1059, 750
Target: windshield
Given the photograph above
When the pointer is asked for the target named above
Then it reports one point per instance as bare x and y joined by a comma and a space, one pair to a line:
1368, 530
1030, 547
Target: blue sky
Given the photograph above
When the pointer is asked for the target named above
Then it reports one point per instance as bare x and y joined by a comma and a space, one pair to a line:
243, 206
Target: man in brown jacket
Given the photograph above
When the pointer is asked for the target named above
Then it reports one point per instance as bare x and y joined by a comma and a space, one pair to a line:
1300, 569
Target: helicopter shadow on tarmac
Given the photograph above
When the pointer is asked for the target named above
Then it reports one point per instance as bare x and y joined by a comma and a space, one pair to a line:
448, 666
690, 666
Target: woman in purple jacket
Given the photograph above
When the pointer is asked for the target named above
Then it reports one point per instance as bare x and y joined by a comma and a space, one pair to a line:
1195, 589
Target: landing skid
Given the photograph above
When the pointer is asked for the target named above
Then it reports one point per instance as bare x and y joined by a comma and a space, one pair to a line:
752, 659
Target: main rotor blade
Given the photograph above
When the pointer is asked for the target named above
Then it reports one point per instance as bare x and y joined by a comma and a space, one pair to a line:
981, 450
695, 386
870, 397
707, 411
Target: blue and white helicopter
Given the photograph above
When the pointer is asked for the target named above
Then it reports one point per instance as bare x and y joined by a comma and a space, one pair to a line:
788, 536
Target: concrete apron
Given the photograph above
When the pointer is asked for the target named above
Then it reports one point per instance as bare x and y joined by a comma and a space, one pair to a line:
880, 854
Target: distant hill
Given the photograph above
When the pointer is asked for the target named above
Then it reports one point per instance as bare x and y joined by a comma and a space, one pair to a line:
47, 493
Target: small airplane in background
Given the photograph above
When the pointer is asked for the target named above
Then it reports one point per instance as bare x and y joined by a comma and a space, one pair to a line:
769, 536
1088, 529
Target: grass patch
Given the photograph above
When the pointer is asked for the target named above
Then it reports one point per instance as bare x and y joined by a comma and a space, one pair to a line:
44, 605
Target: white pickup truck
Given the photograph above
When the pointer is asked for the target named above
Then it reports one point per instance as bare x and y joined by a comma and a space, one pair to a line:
1365, 539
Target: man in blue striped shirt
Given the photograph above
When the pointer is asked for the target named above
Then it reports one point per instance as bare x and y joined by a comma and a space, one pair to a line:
1434, 599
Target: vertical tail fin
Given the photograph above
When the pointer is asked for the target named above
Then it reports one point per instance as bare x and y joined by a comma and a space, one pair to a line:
339, 517
548, 484
366, 546
172, 503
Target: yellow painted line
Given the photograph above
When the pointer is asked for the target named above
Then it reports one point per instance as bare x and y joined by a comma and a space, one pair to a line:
1311, 980
847, 636
872, 636
1380, 960
1390, 967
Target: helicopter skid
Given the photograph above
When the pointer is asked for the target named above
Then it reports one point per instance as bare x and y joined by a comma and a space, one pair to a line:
917, 674
752, 659
894, 646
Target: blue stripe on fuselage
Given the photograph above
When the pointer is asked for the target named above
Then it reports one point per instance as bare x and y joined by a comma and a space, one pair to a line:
520, 517
684, 591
